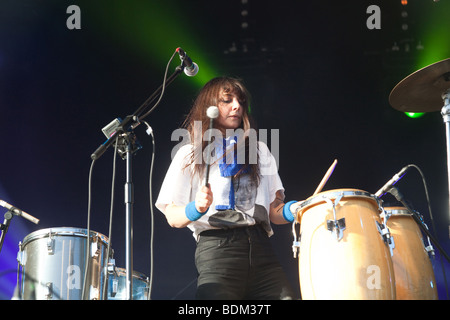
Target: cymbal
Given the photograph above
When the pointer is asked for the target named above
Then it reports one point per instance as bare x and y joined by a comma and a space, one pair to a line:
422, 90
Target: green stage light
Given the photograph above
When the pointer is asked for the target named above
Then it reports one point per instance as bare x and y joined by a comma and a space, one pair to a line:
415, 115
152, 30
433, 34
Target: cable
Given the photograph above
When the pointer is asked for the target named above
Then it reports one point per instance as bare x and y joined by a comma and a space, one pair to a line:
108, 251
150, 286
163, 88
150, 133
184, 289
426, 195
432, 222
88, 230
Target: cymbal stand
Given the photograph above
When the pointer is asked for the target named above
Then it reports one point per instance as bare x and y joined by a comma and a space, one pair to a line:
445, 112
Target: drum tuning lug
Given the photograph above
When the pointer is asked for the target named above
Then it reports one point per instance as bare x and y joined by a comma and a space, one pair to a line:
337, 227
296, 242
20, 255
50, 244
49, 288
20, 258
114, 286
296, 248
95, 250
94, 293
111, 268
386, 236
430, 250
384, 215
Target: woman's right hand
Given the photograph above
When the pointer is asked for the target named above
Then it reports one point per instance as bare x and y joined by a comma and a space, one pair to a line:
203, 199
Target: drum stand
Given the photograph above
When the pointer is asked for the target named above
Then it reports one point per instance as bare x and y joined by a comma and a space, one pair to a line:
129, 147
445, 112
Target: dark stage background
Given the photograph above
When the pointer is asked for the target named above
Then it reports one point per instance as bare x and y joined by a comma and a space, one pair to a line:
315, 70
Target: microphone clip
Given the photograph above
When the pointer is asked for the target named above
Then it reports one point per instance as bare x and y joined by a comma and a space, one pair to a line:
190, 67
396, 193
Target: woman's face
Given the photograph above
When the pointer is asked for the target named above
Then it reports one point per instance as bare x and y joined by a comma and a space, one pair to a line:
230, 112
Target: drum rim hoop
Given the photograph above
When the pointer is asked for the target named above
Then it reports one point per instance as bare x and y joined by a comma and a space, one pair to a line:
136, 274
397, 211
61, 231
337, 192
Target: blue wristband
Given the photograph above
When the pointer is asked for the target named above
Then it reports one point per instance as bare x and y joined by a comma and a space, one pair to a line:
287, 213
192, 213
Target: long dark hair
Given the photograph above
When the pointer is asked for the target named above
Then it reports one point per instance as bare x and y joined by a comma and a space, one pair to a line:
208, 96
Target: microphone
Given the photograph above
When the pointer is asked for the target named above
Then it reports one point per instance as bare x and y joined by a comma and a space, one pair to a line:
190, 68
18, 212
212, 113
391, 182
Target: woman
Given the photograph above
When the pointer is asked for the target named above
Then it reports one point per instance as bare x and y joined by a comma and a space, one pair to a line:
230, 216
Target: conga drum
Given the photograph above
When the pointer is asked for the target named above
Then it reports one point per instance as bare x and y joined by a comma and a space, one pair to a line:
343, 249
414, 275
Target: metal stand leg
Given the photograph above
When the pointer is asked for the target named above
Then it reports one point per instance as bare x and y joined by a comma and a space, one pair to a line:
446, 117
129, 222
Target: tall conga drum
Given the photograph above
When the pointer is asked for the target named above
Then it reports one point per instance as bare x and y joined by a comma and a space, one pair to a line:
343, 249
414, 275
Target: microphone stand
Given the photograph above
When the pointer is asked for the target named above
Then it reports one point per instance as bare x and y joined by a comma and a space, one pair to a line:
7, 221
394, 191
132, 121
125, 130
4, 227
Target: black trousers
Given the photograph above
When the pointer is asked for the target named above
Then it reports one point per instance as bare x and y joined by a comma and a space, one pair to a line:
237, 264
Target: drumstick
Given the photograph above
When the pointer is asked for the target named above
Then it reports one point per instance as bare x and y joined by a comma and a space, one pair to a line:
325, 177
212, 113
299, 213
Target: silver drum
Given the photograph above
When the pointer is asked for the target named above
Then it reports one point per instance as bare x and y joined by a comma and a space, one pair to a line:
53, 263
117, 285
